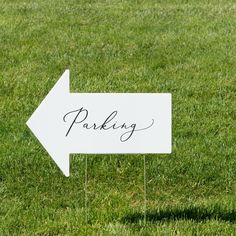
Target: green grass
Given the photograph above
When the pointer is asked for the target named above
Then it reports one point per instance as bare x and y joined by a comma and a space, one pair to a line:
186, 48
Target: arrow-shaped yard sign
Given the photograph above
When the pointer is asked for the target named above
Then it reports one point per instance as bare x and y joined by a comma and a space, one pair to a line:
67, 123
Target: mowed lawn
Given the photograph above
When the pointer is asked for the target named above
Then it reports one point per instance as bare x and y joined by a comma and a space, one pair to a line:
187, 48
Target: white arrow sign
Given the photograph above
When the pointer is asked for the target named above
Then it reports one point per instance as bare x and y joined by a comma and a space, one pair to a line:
67, 123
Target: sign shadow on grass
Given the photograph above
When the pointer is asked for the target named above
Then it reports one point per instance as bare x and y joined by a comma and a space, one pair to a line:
197, 214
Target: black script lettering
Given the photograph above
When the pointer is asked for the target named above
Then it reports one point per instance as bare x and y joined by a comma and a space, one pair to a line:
80, 115
82, 111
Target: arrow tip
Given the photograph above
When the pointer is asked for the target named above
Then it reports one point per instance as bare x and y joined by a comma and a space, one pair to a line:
42, 124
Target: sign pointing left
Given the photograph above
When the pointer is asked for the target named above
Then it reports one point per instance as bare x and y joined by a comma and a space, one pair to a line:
67, 123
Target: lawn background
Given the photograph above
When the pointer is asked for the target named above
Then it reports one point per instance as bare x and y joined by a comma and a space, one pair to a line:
187, 48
